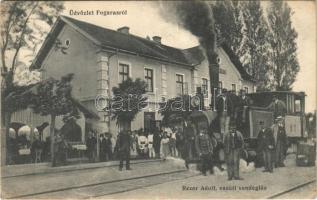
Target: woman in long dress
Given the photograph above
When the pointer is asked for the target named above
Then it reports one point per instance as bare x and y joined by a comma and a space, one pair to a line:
164, 146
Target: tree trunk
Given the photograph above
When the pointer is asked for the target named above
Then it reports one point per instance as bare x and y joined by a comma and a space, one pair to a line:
5, 128
52, 136
124, 125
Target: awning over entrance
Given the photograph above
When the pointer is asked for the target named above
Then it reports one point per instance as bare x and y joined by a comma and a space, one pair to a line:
87, 113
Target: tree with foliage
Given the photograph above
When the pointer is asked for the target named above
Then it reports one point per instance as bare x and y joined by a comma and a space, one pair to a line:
128, 100
283, 65
255, 44
176, 109
20, 30
53, 97
229, 24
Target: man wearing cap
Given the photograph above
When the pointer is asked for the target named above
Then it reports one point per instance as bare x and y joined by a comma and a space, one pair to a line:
280, 141
265, 143
242, 111
204, 148
225, 110
124, 146
233, 143
278, 107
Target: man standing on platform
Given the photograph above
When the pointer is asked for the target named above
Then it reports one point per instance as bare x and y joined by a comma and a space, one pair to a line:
266, 147
91, 146
188, 151
157, 143
124, 144
280, 139
233, 143
204, 149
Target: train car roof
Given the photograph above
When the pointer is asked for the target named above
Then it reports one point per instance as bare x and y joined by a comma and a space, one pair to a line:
279, 92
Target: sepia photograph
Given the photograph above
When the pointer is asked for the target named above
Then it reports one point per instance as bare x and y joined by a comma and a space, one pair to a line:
158, 99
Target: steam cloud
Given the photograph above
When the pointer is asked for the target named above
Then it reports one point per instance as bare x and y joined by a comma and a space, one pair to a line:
196, 17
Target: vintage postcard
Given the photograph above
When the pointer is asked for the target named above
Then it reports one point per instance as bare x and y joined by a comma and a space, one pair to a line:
158, 99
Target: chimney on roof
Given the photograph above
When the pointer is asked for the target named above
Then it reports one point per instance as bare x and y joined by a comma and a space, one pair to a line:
157, 39
124, 29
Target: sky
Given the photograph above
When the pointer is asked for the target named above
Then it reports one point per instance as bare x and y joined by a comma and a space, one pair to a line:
144, 19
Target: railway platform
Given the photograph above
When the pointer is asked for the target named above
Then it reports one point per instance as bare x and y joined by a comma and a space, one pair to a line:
59, 181
45, 168
158, 179
284, 182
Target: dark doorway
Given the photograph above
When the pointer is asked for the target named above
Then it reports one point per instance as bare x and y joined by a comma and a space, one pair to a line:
149, 121
72, 131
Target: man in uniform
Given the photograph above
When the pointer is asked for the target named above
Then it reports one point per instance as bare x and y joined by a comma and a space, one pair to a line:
265, 143
124, 144
233, 143
278, 107
222, 111
244, 102
188, 150
204, 148
91, 146
280, 139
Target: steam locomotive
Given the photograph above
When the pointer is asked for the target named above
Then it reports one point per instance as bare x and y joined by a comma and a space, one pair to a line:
294, 120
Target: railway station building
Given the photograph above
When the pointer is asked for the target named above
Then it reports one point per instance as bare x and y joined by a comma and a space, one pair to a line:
101, 58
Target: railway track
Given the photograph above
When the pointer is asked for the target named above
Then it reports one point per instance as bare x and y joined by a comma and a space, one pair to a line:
109, 187
291, 190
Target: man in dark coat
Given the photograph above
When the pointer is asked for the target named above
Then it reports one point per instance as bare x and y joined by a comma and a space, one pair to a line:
233, 143
265, 143
204, 148
157, 143
108, 147
179, 142
91, 146
280, 139
242, 112
124, 143
278, 107
37, 145
103, 148
226, 106
188, 150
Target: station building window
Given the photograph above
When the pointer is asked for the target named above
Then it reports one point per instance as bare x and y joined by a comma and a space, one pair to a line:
179, 84
123, 72
148, 75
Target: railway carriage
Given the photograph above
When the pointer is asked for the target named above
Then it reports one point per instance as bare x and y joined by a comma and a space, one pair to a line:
294, 120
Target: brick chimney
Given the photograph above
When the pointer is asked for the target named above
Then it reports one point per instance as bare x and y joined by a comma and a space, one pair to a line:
124, 29
157, 39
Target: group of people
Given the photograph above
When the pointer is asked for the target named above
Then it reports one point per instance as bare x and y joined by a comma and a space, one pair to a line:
206, 148
232, 118
139, 144
272, 145
22, 150
156, 144
106, 147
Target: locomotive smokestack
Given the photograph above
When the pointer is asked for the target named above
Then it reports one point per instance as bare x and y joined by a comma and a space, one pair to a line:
196, 16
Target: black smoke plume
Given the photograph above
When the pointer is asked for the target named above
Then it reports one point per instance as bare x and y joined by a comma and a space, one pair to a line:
196, 17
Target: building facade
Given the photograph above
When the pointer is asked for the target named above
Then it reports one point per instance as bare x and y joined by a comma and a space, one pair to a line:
101, 58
